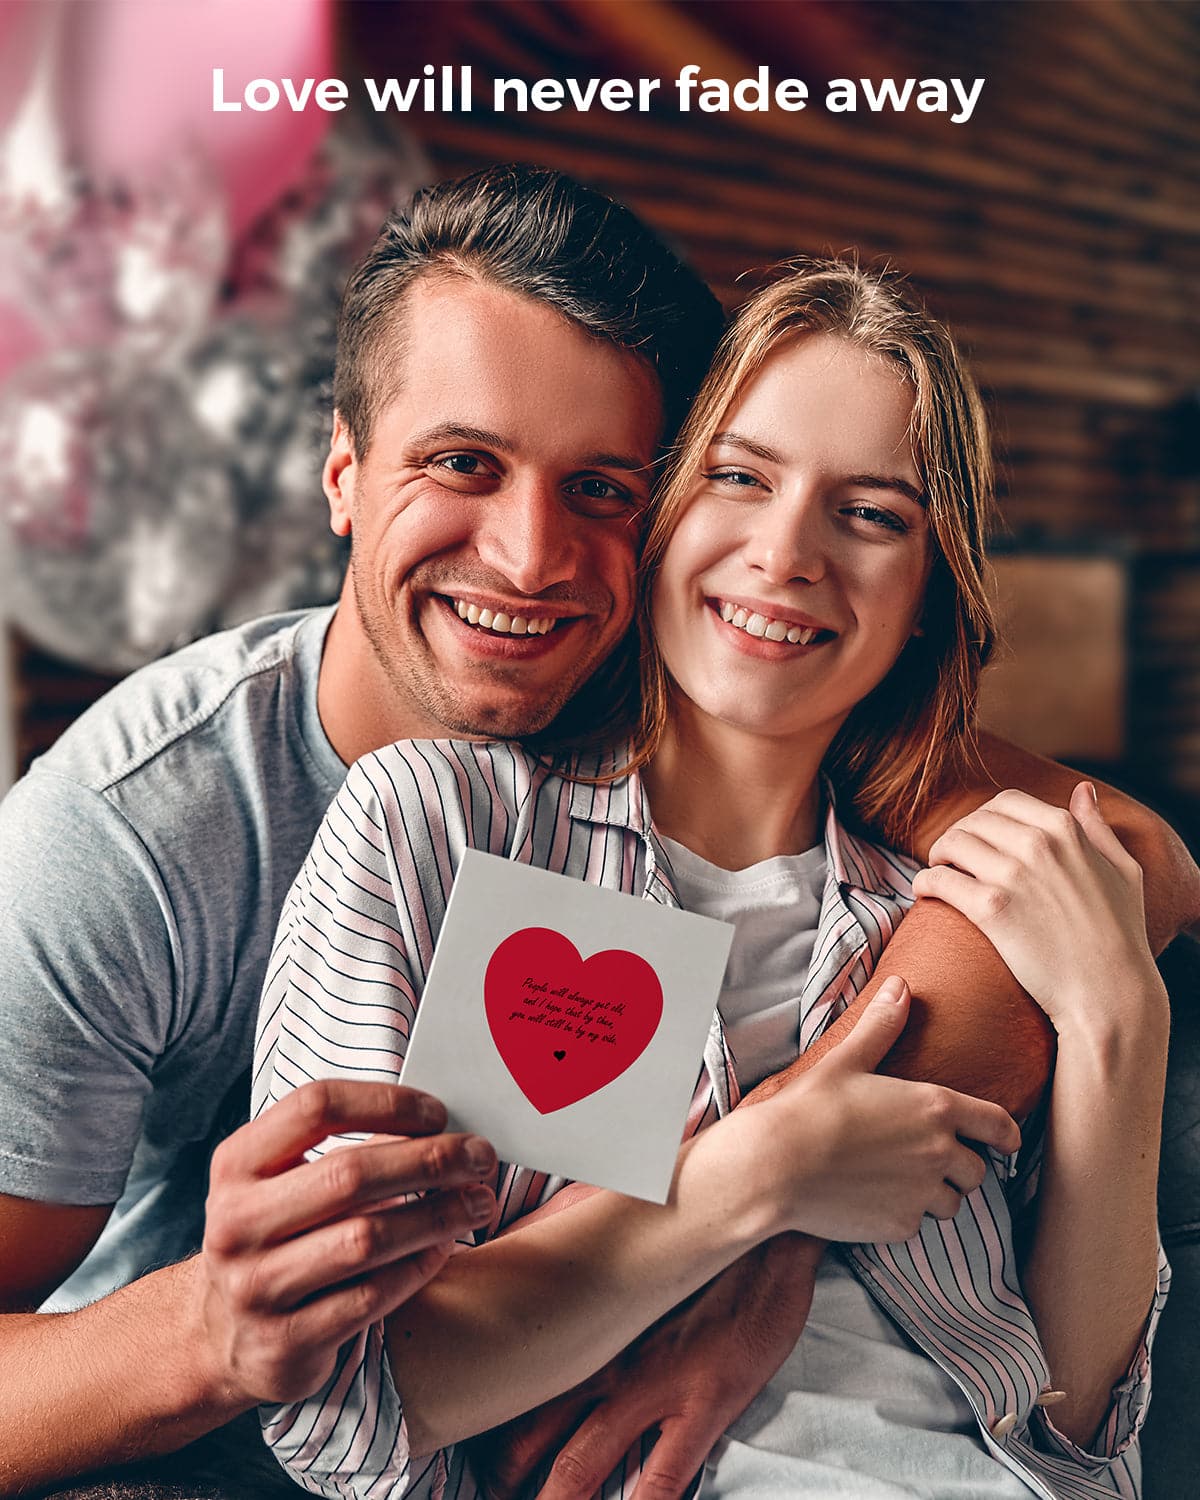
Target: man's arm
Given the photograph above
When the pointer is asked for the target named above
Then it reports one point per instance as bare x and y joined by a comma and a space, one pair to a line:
971, 1028
1171, 879
258, 1315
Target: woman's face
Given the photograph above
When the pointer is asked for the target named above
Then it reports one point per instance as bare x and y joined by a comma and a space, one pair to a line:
797, 571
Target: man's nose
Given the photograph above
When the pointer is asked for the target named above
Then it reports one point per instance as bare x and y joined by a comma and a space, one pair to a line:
531, 537
788, 541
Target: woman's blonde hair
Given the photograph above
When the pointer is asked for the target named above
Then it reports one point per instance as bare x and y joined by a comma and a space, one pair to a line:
898, 743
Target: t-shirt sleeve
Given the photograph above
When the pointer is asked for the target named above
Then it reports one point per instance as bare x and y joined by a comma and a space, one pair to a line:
89, 982
339, 1001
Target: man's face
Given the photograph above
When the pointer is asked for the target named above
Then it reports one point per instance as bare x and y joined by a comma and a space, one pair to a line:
496, 513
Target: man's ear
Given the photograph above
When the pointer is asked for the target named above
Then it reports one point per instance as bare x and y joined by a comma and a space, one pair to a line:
338, 477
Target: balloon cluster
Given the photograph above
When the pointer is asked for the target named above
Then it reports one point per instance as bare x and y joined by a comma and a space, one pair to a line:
164, 455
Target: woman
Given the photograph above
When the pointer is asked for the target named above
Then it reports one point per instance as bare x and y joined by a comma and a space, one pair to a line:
814, 592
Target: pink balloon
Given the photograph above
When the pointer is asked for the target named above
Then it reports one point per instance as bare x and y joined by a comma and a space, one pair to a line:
19, 340
137, 85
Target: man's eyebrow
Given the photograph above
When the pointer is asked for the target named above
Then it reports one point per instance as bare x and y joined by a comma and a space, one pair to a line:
629, 462
460, 432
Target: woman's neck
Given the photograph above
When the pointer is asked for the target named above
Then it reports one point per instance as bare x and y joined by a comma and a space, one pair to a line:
732, 797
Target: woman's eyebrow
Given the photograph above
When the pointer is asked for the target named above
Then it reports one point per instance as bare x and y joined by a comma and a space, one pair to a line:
735, 440
888, 482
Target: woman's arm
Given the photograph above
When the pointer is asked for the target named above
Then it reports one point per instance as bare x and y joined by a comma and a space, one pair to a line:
1060, 899
973, 1028
1171, 880
844, 1154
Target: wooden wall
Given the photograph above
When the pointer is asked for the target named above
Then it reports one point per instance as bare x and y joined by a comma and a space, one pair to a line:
1058, 231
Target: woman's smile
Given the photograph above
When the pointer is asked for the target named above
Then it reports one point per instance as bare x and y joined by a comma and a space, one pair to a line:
796, 574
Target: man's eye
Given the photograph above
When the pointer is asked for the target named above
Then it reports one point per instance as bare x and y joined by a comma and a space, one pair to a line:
888, 520
468, 464
596, 496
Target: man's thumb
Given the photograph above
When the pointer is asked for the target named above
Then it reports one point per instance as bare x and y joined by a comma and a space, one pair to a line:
880, 1024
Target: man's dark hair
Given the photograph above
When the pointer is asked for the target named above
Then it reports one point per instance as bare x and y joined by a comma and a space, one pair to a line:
540, 233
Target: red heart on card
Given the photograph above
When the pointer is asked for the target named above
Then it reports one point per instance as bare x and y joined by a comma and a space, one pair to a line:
566, 1026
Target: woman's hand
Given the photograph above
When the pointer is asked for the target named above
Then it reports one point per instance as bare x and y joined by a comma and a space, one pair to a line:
865, 1157
1061, 901
1059, 898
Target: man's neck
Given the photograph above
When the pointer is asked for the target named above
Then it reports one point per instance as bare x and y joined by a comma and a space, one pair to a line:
359, 707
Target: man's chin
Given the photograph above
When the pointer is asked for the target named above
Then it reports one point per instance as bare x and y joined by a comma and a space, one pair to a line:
493, 721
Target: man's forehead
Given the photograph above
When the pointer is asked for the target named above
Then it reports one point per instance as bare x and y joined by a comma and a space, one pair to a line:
495, 368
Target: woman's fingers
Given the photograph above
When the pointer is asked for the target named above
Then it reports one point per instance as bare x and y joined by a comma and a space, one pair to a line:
1085, 809
966, 1170
979, 901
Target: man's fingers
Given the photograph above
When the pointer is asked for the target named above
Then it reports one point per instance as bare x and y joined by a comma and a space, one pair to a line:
330, 1106
290, 1274
593, 1452
681, 1450
945, 1202
505, 1459
340, 1314
348, 1178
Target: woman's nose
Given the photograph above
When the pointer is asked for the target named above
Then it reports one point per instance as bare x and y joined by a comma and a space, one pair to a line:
786, 542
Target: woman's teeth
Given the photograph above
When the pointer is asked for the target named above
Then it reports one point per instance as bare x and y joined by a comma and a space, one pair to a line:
768, 629
504, 624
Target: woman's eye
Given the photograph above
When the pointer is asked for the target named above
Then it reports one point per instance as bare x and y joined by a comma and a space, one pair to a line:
734, 478
887, 519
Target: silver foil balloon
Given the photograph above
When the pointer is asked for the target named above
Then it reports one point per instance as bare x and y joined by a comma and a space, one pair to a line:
131, 268
118, 522
168, 481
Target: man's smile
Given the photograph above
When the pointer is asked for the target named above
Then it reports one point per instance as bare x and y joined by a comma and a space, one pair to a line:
499, 633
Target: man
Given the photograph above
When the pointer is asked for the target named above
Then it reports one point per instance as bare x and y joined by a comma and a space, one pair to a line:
508, 370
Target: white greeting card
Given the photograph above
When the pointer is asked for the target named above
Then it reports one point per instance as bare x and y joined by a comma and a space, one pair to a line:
567, 1023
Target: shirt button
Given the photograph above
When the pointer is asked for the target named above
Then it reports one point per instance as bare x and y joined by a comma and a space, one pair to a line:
1002, 1426
1050, 1398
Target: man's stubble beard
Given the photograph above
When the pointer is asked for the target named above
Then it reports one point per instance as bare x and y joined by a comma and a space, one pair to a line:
418, 680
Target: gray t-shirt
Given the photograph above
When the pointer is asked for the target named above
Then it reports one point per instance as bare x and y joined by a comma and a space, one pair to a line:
144, 861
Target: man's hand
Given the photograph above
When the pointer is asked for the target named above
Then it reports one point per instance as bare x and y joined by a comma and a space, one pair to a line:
300, 1256
690, 1375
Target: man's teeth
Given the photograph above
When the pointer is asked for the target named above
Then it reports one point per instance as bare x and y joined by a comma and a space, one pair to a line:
764, 626
504, 624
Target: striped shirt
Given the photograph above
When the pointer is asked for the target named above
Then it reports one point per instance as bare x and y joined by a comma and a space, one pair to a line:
351, 955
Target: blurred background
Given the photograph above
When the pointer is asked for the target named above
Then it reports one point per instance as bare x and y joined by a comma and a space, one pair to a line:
168, 278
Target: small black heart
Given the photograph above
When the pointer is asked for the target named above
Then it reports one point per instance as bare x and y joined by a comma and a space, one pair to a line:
560, 1055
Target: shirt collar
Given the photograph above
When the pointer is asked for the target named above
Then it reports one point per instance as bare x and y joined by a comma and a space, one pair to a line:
855, 862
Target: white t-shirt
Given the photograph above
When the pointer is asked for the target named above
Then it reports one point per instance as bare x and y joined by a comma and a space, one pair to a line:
856, 1409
